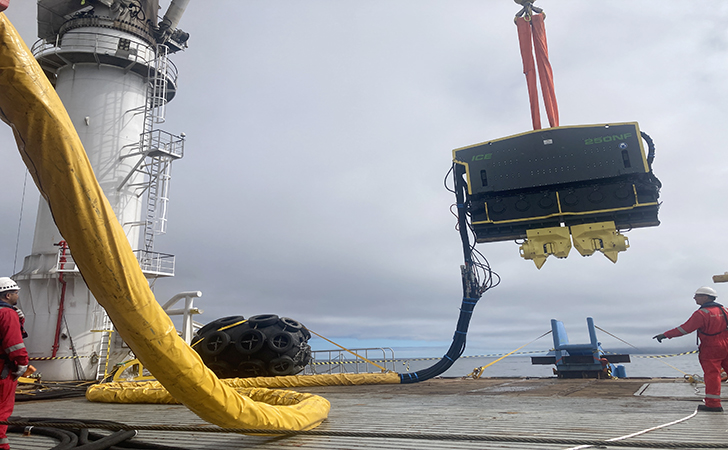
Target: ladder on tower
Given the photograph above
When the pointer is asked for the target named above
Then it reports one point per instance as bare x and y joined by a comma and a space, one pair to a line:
159, 164
107, 327
157, 90
157, 201
157, 150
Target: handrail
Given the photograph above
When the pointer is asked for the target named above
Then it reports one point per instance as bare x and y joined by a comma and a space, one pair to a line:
186, 312
339, 361
152, 263
103, 44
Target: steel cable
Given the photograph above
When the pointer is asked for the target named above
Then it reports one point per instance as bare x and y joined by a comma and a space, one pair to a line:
387, 435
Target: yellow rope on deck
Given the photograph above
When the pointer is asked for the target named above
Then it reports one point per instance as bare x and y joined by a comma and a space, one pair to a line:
478, 371
352, 352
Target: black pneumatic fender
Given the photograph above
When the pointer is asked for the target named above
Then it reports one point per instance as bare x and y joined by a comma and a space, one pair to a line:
219, 323
250, 341
281, 341
263, 345
290, 324
281, 365
263, 320
214, 343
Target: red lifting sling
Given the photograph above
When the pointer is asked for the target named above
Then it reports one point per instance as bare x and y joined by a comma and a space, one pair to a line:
533, 25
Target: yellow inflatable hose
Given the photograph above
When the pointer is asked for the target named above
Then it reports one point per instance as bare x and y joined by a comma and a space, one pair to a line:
54, 155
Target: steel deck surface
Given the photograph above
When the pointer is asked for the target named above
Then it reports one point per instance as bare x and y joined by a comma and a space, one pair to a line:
509, 408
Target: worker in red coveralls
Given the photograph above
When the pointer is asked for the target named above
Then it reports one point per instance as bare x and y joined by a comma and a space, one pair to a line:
14, 356
711, 322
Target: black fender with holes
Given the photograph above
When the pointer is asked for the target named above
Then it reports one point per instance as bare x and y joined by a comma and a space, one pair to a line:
262, 345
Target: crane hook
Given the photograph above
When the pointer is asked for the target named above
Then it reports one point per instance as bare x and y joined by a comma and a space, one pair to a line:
528, 8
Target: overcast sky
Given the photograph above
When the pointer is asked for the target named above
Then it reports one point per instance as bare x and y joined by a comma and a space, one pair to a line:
319, 133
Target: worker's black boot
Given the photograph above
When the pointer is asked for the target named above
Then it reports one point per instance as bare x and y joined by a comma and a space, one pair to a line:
710, 408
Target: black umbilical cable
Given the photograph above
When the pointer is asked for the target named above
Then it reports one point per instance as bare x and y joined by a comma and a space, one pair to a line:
105, 442
471, 292
66, 438
136, 445
650, 158
80, 438
650, 149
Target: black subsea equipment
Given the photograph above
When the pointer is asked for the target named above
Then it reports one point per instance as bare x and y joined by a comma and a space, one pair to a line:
550, 186
547, 187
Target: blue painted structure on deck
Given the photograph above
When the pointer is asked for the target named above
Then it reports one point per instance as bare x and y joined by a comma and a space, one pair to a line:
581, 360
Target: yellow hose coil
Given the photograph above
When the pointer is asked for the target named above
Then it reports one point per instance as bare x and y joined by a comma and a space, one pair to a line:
53, 153
154, 392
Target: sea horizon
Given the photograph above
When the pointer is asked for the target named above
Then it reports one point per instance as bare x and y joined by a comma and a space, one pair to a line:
642, 365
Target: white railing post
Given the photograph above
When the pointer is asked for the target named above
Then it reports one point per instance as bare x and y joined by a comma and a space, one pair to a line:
187, 320
187, 312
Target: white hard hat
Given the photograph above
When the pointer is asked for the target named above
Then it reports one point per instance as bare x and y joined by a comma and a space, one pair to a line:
7, 284
705, 290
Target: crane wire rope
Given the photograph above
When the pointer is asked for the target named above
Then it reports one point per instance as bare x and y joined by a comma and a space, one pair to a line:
584, 443
20, 221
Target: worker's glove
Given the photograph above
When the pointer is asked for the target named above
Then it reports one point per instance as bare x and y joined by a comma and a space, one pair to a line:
20, 313
659, 337
19, 372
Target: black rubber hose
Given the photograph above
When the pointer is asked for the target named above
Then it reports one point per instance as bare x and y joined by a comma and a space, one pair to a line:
137, 445
108, 441
82, 438
67, 439
44, 394
651, 157
470, 294
650, 149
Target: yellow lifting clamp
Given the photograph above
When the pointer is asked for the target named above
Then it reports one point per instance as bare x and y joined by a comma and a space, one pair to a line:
601, 236
720, 278
588, 238
542, 242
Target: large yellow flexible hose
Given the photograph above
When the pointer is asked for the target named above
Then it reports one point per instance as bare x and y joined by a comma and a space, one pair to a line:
53, 153
154, 392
